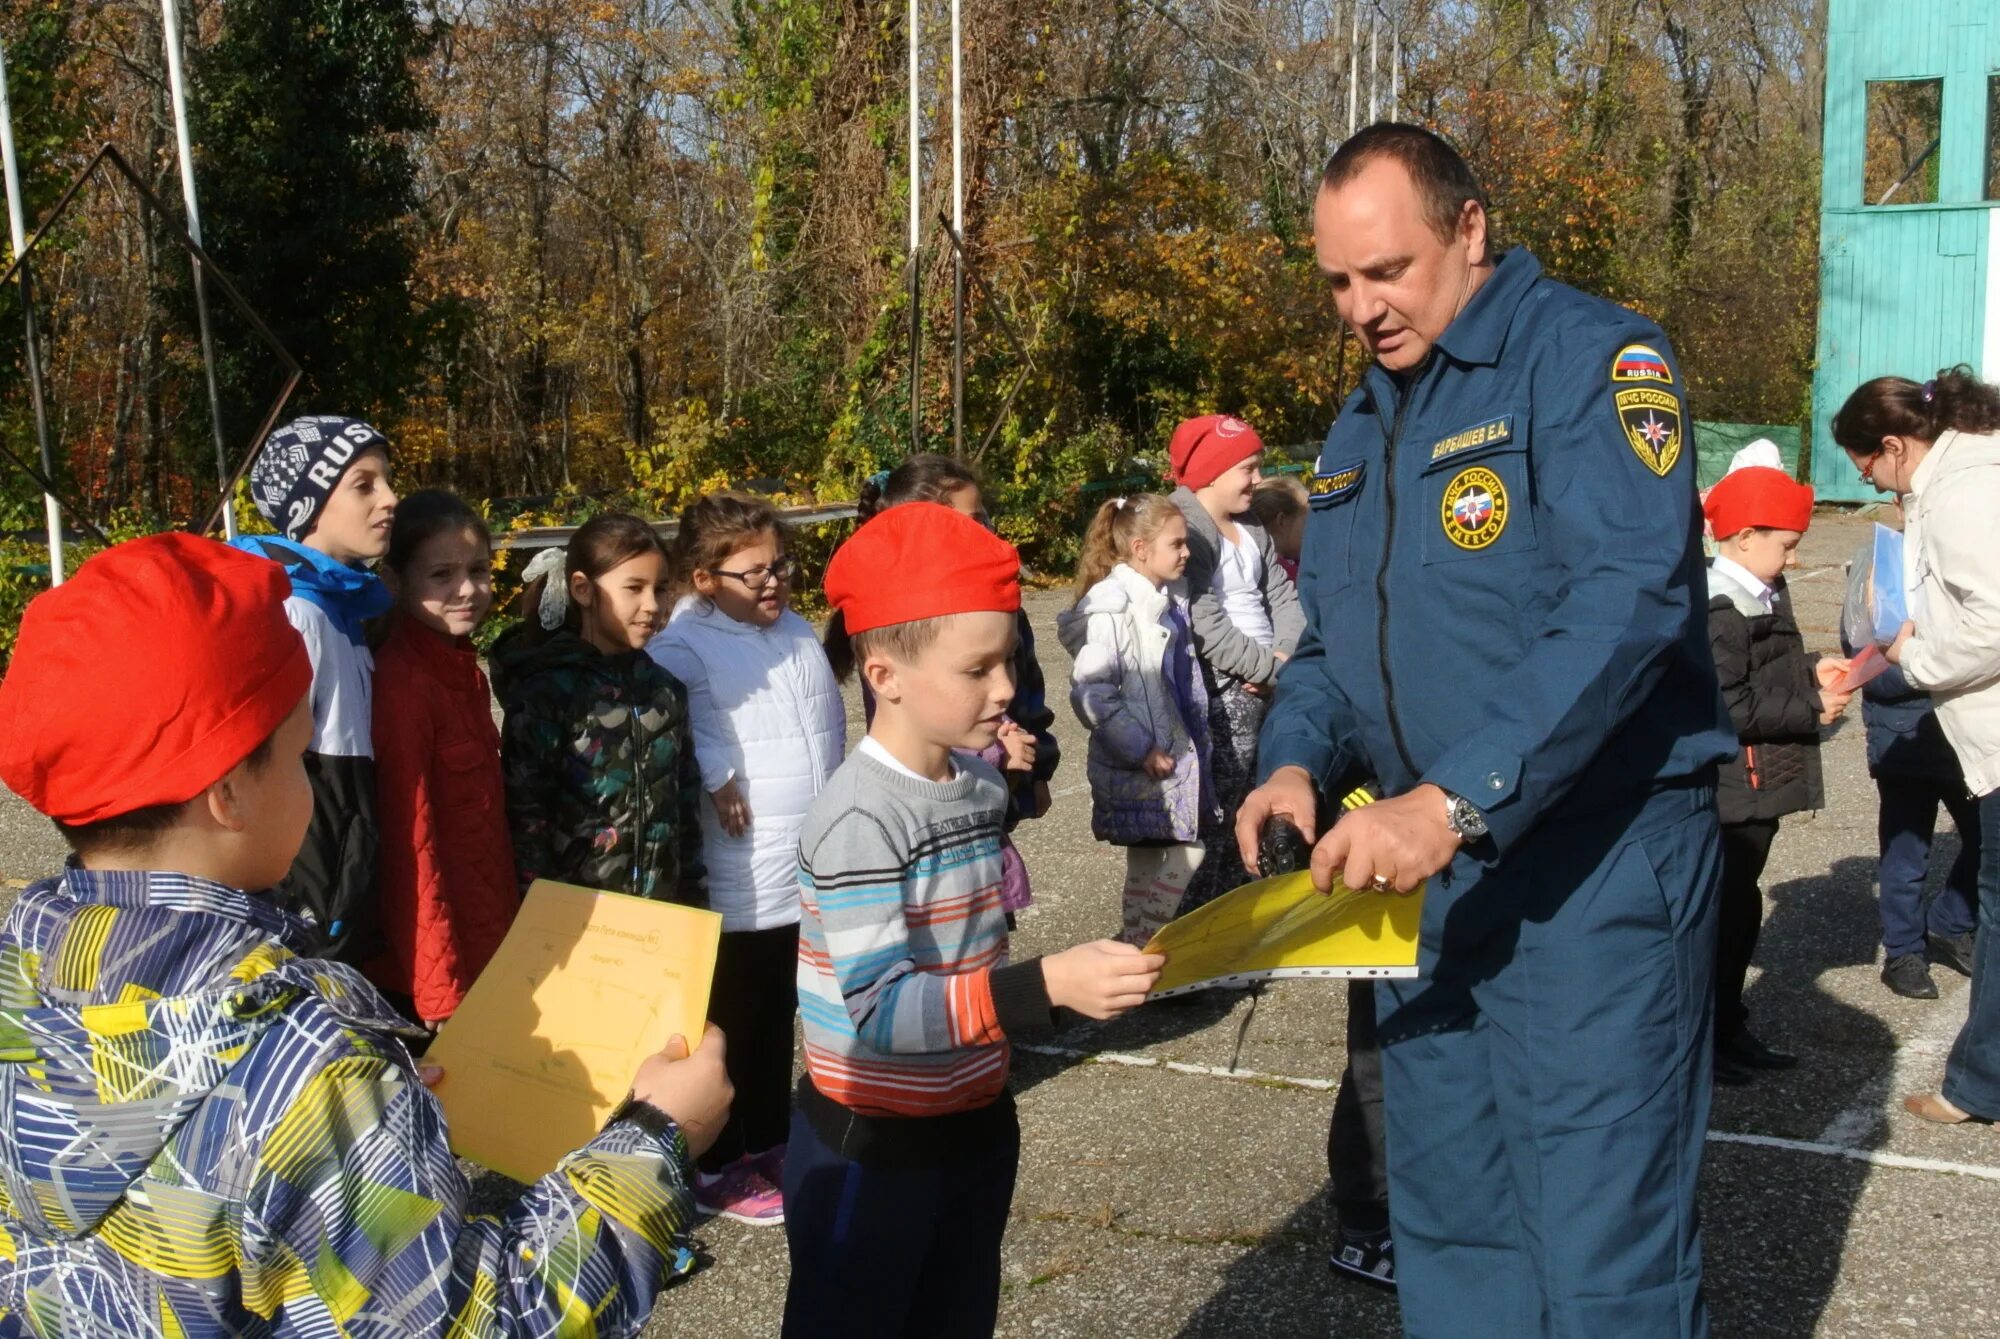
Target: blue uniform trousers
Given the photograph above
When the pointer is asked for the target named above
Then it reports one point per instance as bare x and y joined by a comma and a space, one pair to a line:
1905, 826
1548, 1082
1972, 1074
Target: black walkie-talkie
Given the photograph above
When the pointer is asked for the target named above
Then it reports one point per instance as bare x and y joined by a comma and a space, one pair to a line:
1282, 849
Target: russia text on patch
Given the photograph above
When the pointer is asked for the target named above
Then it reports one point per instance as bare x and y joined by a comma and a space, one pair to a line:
1640, 362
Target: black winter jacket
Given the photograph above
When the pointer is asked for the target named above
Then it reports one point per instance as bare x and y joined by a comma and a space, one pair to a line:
1773, 696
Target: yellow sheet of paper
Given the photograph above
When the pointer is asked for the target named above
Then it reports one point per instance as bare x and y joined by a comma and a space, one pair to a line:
584, 987
1283, 927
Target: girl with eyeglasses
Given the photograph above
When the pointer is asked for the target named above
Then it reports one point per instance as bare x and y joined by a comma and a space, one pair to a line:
769, 729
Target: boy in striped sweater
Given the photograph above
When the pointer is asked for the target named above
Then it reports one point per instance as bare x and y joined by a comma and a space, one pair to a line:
904, 1146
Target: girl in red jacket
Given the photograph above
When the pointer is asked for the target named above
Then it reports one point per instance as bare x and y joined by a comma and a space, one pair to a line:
448, 889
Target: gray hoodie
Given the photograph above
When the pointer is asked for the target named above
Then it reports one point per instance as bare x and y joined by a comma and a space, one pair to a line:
1229, 657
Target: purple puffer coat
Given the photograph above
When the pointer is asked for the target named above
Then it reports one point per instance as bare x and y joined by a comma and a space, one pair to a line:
1135, 699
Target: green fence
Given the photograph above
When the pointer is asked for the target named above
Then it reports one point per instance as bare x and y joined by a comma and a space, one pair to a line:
1715, 443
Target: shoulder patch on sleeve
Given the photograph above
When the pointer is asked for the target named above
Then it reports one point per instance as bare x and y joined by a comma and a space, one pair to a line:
1641, 362
1651, 419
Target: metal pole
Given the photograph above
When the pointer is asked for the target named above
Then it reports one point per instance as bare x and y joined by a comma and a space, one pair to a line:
17, 231
1354, 71
958, 232
170, 24
1395, 73
1374, 66
916, 241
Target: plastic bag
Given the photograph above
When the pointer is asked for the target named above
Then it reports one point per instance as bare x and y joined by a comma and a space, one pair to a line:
1875, 608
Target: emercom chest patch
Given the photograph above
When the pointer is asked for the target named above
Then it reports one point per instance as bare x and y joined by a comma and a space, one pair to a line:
1485, 434
1475, 508
1329, 486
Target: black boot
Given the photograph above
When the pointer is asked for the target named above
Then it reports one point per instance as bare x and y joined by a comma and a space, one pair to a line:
1910, 977
1953, 951
1745, 1050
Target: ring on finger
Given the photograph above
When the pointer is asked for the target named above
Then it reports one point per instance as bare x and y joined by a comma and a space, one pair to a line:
1381, 883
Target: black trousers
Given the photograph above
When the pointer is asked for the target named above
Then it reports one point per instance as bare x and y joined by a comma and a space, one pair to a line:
1355, 1156
1739, 916
754, 1000
897, 1251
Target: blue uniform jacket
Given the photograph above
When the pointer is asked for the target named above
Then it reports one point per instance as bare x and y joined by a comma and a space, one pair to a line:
1503, 574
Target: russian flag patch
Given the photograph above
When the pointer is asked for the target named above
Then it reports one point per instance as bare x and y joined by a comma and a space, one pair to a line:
1639, 362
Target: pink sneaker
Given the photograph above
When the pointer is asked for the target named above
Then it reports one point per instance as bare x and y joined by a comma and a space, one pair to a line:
740, 1191
771, 1162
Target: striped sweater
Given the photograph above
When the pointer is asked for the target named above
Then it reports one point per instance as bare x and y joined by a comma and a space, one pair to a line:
904, 986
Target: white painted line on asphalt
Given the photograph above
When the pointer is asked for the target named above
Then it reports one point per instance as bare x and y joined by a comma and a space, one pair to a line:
1177, 1066
1823, 1148
1911, 1068
1874, 1157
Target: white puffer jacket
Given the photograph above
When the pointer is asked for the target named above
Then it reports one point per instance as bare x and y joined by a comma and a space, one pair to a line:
1121, 633
766, 711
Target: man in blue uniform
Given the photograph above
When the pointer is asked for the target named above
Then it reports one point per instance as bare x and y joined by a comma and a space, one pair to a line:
1505, 600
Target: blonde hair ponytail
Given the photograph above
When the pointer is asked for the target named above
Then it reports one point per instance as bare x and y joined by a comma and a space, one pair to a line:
1117, 526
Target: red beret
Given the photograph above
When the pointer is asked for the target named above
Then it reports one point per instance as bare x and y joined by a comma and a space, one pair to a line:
1760, 496
921, 560
1204, 448
159, 666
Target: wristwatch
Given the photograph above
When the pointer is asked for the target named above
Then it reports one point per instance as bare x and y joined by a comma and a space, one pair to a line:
643, 1114
1462, 817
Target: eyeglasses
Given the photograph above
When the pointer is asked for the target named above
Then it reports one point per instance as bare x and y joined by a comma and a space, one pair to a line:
760, 578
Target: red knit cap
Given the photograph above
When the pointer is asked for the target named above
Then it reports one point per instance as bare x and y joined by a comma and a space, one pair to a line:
921, 560
1205, 448
159, 666
1760, 496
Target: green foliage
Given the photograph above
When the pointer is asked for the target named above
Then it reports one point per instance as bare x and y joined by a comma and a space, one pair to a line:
41, 98
302, 112
24, 572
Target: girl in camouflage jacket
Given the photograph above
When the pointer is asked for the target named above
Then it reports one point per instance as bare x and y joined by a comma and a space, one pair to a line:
602, 786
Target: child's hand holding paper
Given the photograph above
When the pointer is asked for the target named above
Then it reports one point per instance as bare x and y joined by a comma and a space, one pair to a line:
1862, 669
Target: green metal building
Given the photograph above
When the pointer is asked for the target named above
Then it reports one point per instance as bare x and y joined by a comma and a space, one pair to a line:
1910, 222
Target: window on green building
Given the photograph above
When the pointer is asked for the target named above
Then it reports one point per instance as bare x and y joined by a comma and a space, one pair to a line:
1993, 137
1905, 123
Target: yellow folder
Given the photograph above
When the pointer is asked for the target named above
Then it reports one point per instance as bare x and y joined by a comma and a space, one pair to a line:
584, 987
1283, 927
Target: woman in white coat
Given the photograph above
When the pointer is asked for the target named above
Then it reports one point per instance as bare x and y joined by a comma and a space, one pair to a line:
769, 729
1938, 445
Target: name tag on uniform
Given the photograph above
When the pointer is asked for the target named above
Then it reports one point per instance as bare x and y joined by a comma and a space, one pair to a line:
1330, 486
1485, 434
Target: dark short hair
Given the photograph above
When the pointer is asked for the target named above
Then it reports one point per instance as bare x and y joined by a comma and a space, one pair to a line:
1442, 179
124, 832
426, 514
923, 477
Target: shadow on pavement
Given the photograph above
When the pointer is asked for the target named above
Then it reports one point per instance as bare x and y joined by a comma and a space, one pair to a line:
1777, 1221
1283, 1289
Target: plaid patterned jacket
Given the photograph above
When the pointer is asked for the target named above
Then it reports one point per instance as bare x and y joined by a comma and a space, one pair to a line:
206, 1134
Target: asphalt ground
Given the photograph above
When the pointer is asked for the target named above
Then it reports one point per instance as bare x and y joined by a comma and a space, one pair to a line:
1173, 1172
